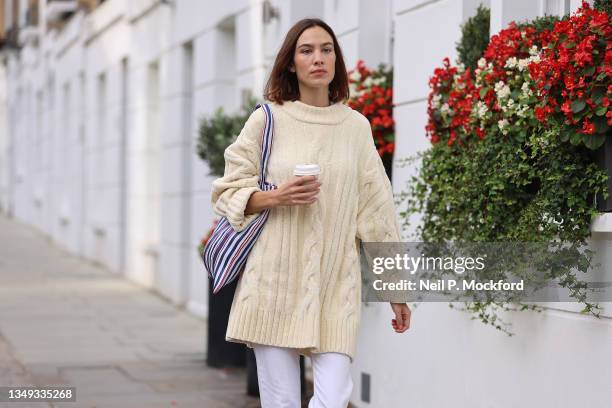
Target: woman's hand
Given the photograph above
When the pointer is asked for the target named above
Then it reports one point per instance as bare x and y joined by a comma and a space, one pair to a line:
298, 190
401, 323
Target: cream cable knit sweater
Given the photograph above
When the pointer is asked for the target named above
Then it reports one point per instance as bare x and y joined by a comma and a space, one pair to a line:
301, 286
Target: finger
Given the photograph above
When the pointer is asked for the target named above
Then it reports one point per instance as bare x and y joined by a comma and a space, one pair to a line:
306, 189
304, 202
407, 320
304, 196
395, 326
399, 319
299, 180
312, 182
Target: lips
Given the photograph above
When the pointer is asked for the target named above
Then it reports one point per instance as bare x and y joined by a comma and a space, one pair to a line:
319, 71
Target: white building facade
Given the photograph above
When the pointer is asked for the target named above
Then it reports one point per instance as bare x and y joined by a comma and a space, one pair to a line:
98, 123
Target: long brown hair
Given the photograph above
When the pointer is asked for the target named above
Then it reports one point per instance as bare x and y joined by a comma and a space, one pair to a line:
282, 84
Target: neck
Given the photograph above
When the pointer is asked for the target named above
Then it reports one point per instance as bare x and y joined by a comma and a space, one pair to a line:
315, 97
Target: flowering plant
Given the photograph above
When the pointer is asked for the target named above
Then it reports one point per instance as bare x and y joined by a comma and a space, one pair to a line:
371, 93
574, 74
450, 104
558, 76
512, 155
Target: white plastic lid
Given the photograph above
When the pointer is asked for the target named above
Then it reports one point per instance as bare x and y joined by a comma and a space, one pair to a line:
307, 170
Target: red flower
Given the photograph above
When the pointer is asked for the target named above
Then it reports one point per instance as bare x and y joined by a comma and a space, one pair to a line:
588, 127
375, 103
599, 21
566, 107
540, 114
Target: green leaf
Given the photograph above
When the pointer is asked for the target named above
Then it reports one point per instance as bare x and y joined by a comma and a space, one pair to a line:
483, 92
588, 71
593, 141
578, 105
565, 134
575, 138
601, 76
597, 95
570, 45
601, 124
601, 111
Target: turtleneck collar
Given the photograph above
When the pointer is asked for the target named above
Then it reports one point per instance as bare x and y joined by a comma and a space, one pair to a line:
327, 115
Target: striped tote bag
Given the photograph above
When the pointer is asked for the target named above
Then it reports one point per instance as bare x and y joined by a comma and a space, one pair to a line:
226, 251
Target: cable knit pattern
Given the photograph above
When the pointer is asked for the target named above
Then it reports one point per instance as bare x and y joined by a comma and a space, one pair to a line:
301, 286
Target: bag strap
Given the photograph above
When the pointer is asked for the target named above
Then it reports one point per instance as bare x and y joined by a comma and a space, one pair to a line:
266, 145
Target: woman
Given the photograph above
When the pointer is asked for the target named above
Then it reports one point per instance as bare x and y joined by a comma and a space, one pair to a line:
300, 291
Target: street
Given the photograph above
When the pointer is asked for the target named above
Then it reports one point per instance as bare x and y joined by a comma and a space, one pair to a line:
65, 321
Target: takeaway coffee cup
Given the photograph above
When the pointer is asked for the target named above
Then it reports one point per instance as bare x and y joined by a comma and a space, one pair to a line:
307, 170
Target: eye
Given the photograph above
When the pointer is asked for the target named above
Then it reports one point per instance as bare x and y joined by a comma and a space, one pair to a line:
305, 50
328, 50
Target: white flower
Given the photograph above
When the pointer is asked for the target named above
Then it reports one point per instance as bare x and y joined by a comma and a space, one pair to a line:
535, 58
368, 82
502, 126
522, 64
461, 68
522, 110
508, 105
445, 108
511, 62
526, 89
502, 90
355, 76
482, 63
533, 50
481, 109
435, 101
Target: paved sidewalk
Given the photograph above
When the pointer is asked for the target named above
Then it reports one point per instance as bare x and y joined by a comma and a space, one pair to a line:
65, 321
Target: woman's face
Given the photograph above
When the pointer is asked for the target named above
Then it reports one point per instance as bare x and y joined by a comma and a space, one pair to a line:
314, 61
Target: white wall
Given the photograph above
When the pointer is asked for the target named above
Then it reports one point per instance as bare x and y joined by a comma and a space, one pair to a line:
445, 359
5, 156
108, 169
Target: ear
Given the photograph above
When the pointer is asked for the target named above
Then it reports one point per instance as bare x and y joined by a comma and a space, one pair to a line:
291, 68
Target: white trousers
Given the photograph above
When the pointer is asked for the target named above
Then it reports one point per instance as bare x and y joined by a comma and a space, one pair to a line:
278, 372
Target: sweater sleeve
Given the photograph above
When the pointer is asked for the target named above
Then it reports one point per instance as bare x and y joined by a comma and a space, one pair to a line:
231, 192
376, 216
